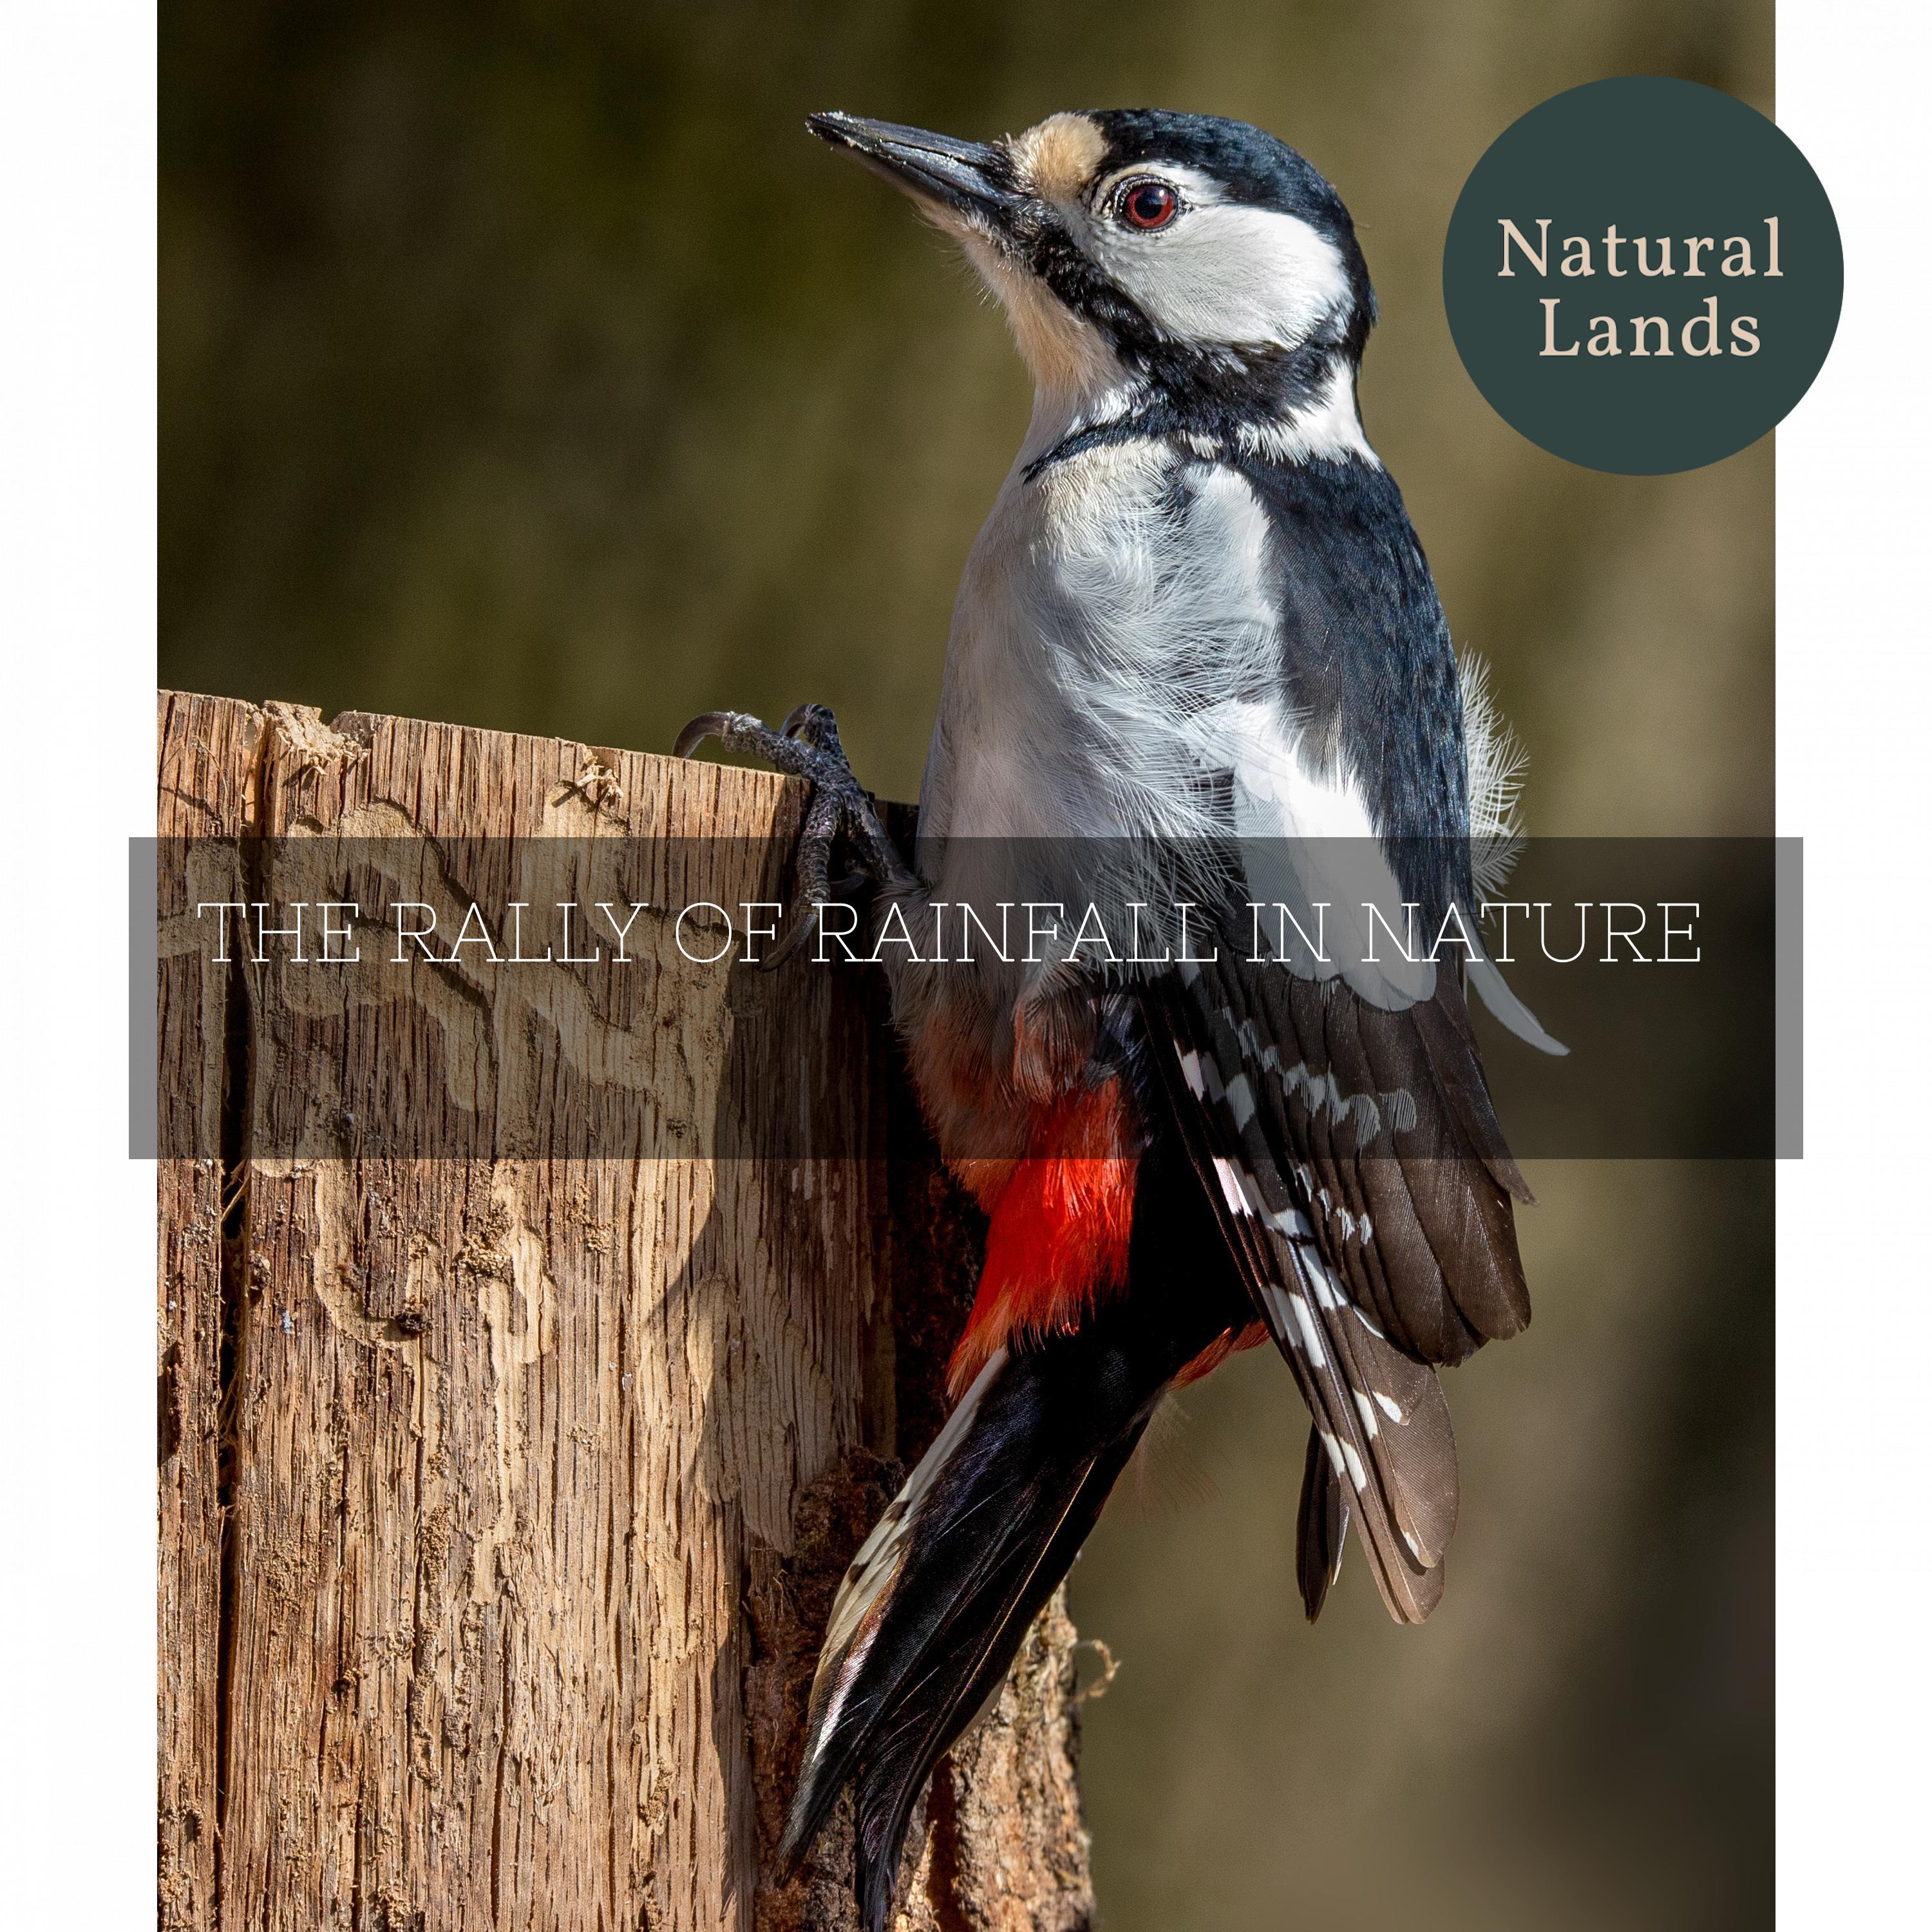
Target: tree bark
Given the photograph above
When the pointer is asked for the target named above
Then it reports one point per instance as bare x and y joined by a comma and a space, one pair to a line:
207, 762
502, 1497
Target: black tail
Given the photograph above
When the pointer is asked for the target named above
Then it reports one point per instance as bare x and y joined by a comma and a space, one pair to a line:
934, 1607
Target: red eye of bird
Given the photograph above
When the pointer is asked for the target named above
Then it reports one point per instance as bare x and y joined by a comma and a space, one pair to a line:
1150, 204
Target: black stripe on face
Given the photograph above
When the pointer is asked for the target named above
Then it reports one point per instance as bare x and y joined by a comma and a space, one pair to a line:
1206, 389
1203, 390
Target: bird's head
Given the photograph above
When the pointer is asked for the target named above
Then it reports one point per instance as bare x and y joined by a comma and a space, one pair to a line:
1198, 266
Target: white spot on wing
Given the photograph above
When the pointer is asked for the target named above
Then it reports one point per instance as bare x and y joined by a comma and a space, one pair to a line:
1231, 1186
1292, 1222
1276, 1299
1310, 1334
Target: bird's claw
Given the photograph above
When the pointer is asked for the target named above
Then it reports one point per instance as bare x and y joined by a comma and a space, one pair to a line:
807, 745
814, 724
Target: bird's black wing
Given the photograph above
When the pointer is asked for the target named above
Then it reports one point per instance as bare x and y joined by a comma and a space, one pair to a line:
1363, 1184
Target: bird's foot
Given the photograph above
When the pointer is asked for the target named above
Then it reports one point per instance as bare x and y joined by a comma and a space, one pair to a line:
806, 746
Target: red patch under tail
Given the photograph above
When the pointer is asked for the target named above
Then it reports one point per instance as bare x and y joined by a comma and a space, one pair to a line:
1058, 1234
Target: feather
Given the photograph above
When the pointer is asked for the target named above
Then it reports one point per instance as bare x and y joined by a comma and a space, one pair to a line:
936, 1603
1359, 1180
1321, 1527
1497, 762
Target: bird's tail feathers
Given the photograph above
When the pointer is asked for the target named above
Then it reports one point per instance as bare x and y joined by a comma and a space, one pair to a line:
937, 1603
832, 1736
1321, 1531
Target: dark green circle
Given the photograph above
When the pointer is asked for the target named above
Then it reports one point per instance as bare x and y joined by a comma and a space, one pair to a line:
1656, 158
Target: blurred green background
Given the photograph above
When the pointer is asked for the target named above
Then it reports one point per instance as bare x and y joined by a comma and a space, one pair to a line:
528, 365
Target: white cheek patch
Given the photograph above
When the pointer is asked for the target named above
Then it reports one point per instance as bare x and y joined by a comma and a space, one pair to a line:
1223, 273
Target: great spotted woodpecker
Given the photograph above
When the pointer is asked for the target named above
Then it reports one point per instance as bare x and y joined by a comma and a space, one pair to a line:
1197, 622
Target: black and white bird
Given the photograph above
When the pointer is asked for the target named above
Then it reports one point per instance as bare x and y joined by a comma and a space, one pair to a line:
1198, 622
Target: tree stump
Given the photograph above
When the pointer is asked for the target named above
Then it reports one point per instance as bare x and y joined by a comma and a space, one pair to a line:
504, 1489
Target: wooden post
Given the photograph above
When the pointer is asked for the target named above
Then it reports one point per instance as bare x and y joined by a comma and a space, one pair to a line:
502, 1497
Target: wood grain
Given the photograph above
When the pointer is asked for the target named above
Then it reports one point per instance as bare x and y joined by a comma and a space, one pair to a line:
542, 1460
206, 766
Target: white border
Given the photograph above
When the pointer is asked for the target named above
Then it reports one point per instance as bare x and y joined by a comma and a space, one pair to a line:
77, 189
1854, 775
77, 443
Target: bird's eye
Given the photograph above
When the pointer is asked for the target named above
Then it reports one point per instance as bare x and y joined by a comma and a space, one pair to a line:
1150, 204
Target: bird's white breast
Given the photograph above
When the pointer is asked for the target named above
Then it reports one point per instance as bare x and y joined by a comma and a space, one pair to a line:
1106, 608
1115, 673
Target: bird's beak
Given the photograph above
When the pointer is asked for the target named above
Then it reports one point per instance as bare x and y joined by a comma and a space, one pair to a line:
970, 178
